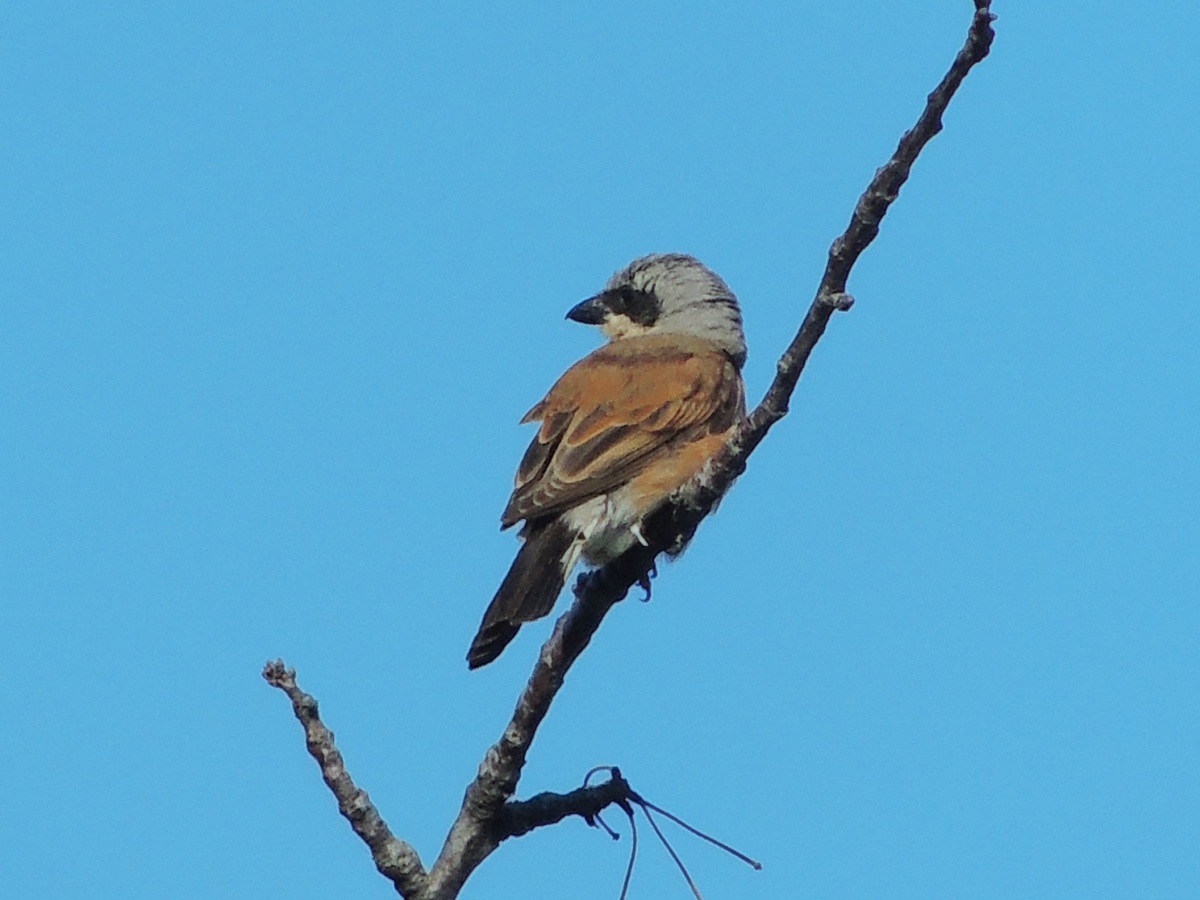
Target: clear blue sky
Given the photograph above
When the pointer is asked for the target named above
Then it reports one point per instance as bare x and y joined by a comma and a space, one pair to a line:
277, 282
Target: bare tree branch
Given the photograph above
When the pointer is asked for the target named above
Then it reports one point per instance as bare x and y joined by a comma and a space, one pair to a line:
488, 814
863, 228
522, 816
475, 833
396, 860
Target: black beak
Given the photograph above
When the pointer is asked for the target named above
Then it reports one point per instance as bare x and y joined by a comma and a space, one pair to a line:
591, 311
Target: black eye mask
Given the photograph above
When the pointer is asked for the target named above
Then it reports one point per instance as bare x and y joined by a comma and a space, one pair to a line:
641, 307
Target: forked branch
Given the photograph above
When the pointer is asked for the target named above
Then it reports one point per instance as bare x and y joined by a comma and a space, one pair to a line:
488, 814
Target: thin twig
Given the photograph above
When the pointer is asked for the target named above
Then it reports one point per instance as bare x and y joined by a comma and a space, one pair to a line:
633, 848
395, 859
687, 876
646, 804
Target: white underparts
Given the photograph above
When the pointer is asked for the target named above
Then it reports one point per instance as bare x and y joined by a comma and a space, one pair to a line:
607, 528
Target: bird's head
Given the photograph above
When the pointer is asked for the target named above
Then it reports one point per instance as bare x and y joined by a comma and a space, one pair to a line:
667, 293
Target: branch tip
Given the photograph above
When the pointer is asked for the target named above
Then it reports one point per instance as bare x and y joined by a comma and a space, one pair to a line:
278, 675
395, 859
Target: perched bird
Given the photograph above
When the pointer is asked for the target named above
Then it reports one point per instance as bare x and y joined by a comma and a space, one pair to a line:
621, 431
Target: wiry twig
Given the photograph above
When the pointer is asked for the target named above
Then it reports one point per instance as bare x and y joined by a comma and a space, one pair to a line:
618, 792
521, 817
687, 876
646, 804
486, 817
633, 849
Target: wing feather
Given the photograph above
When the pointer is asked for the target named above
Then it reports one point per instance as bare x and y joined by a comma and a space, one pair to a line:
541, 448
614, 412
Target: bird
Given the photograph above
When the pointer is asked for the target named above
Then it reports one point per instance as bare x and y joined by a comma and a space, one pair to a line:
622, 431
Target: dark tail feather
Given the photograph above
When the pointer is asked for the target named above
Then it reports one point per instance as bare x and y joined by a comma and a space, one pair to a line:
528, 591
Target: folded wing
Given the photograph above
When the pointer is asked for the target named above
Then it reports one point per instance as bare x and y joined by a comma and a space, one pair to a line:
616, 411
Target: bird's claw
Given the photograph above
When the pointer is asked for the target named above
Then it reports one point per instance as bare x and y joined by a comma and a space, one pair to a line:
644, 581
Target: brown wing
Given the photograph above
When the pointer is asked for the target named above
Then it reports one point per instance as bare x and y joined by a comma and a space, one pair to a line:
613, 412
